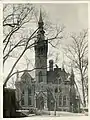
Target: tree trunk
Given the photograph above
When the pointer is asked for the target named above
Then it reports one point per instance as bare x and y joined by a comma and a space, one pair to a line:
55, 108
84, 101
83, 91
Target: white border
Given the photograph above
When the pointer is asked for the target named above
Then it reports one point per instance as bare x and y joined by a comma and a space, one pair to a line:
89, 55
47, 1
1, 70
1, 61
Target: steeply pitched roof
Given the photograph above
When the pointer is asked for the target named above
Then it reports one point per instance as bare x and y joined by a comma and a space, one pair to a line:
40, 18
26, 76
53, 75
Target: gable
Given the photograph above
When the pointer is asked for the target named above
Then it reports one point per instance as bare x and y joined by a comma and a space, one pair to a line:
41, 94
26, 77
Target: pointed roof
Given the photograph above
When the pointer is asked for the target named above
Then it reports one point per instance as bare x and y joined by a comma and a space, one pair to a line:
40, 18
26, 74
41, 93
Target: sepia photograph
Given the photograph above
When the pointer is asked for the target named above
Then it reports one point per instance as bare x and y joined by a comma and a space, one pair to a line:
45, 59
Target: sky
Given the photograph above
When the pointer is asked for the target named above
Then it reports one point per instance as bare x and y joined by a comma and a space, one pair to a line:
73, 16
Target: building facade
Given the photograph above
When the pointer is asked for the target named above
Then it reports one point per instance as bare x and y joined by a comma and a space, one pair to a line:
51, 89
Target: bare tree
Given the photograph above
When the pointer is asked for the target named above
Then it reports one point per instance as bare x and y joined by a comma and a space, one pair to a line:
77, 53
16, 19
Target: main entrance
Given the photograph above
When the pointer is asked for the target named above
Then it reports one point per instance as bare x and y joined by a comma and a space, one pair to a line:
40, 102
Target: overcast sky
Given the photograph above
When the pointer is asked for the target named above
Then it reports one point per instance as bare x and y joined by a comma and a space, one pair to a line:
73, 16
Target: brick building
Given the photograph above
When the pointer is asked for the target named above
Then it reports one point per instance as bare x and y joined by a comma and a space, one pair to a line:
50, 89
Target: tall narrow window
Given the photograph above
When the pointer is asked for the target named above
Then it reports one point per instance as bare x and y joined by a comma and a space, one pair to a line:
29, 100
60, 100
40, 77
29, 91
64, 100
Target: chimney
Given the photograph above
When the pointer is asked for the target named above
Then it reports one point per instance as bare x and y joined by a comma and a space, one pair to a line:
50, 65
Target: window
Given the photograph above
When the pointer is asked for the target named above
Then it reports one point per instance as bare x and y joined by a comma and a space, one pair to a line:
29, 91
64, 100
22, 101
60, 100
29, 101
40, 77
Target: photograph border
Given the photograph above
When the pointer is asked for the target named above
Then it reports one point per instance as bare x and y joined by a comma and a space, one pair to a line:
1, 54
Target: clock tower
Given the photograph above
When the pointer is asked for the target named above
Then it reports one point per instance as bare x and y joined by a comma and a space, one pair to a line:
41, 49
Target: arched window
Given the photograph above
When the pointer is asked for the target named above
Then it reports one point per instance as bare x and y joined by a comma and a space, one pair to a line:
40, 77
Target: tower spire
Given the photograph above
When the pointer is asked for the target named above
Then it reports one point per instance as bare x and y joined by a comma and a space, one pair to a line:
40, 33
40, 22
40, 17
